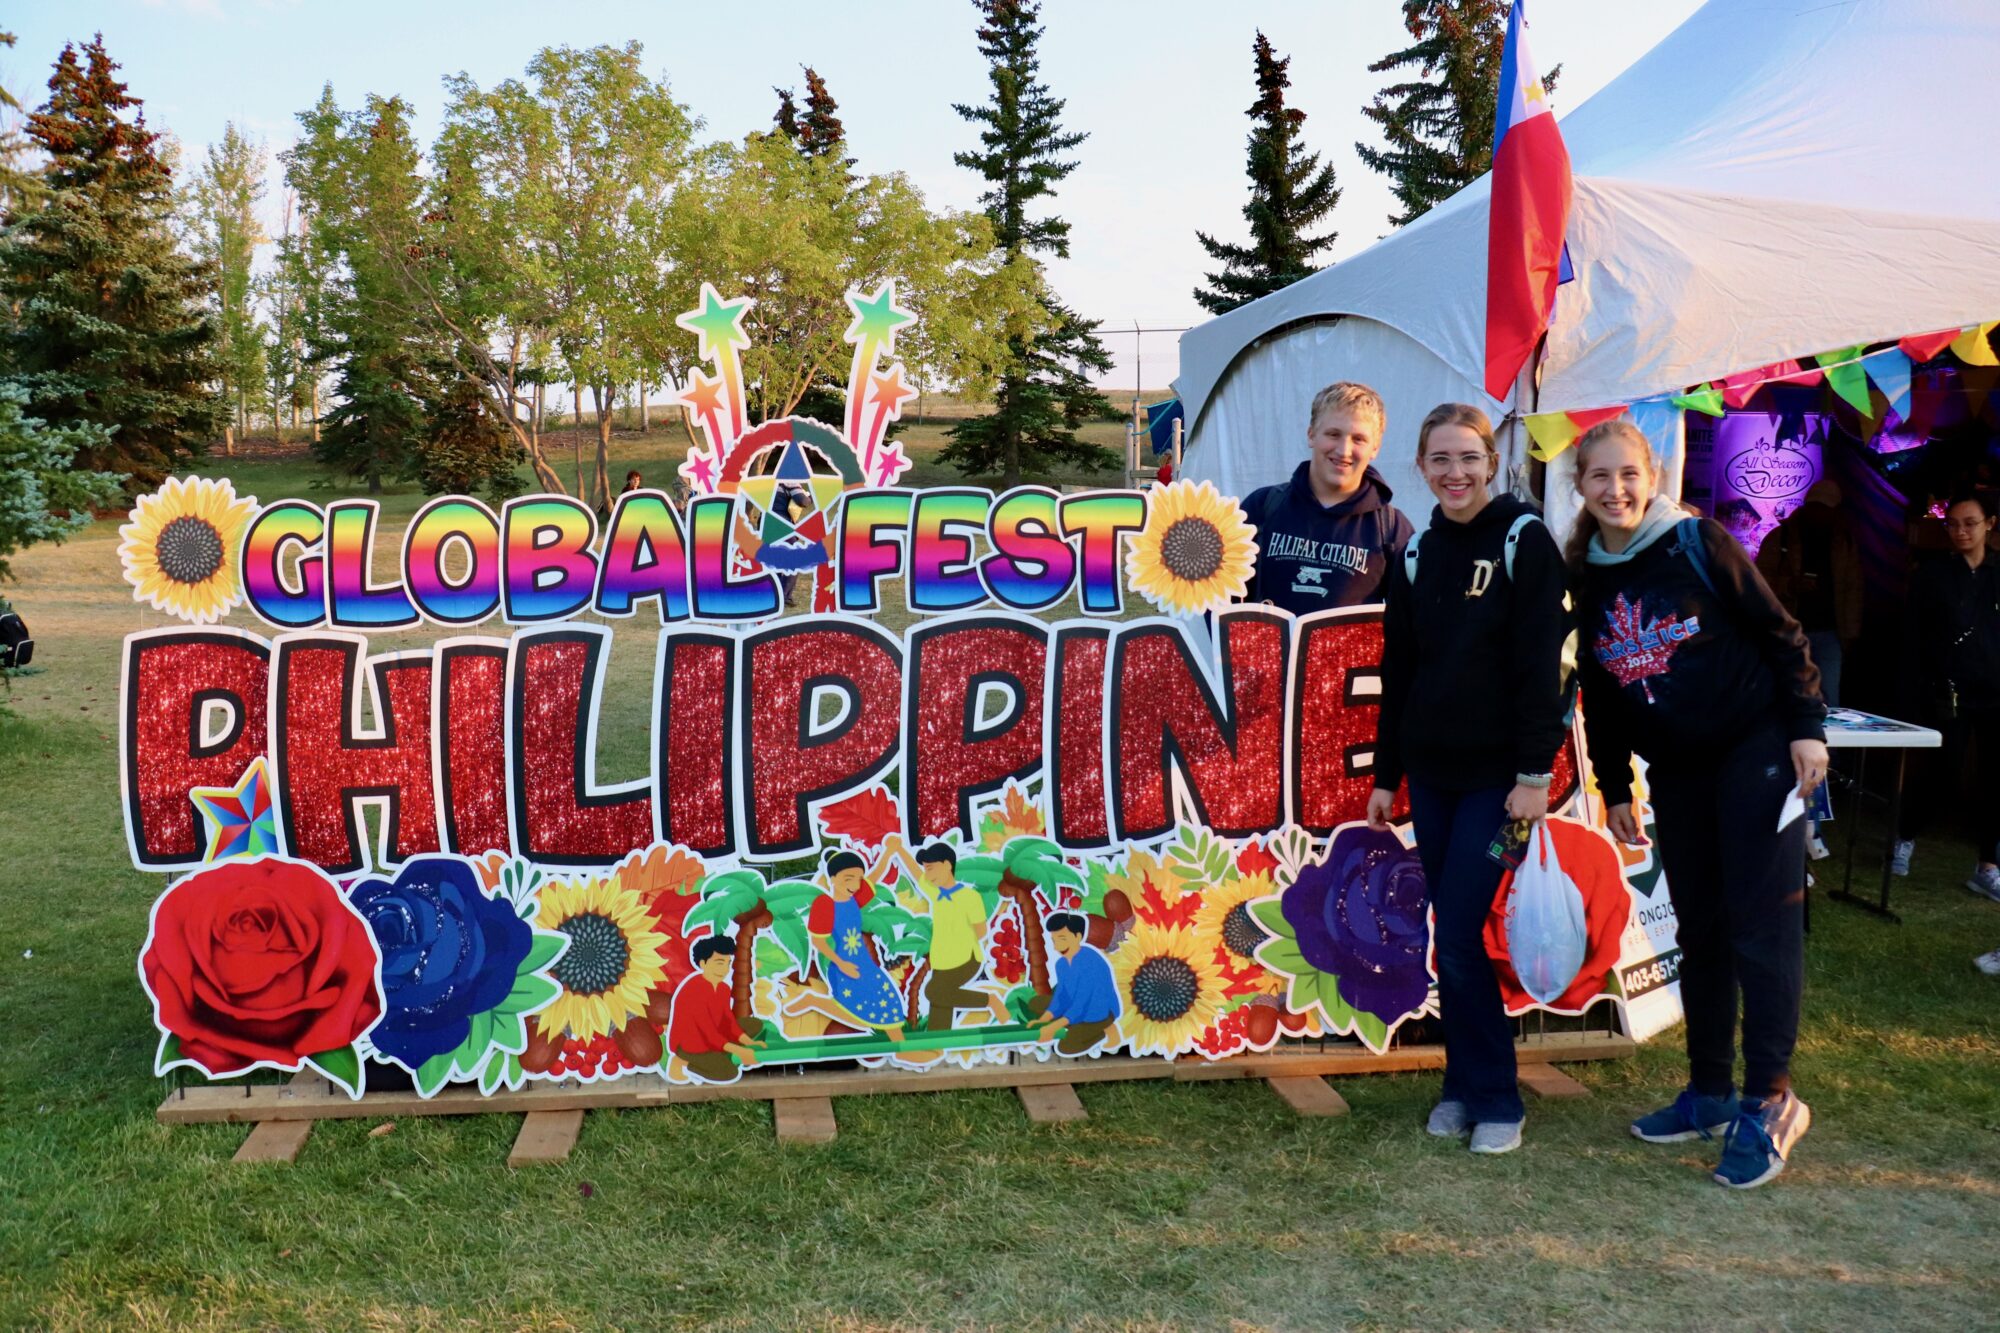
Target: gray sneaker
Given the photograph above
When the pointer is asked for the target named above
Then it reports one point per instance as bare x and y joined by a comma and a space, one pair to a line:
1448, 1121
1899, 860
1490, 1136
1989, 963
1985, 881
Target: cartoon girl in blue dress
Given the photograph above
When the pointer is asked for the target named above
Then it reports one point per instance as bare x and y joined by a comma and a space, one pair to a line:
857, 983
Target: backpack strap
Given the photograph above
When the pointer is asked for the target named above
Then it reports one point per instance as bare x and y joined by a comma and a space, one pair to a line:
1410, 559
1520, 525
1687, 539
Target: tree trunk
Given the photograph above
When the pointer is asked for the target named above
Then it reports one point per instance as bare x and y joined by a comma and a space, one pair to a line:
1033, 943
315, 411
229, 440
645, 418
605, 397
917, 975
576, 434
743, 968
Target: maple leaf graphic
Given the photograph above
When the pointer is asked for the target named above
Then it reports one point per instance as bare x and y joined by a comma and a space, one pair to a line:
1624, 648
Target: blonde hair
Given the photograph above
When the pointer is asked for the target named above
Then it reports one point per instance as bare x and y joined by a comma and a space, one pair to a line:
1352, 397
1619, 428
1459, 414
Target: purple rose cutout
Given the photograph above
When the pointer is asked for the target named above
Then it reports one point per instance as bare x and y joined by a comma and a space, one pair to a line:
1360, 917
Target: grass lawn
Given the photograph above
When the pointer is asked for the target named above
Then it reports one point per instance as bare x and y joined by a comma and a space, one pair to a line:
1197, 1205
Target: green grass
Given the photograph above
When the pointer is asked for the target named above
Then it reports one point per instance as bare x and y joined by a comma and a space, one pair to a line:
1202, 1205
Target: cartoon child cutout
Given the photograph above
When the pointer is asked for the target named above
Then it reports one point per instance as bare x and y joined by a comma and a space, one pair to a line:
704, 1037
958, 930
1081, 1011
862, 994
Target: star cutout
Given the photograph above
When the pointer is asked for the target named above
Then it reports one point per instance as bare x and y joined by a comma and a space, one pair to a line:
718, 323
889, 390
703, 395
889, 464
877, 317
241, 820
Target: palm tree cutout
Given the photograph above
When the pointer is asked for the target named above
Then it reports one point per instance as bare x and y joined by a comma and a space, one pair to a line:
741, 896
1025, 866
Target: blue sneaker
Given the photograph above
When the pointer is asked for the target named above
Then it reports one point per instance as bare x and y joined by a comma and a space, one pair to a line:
1692, 1116
1760, 1140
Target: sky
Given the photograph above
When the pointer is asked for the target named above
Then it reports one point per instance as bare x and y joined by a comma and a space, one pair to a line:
1159, 86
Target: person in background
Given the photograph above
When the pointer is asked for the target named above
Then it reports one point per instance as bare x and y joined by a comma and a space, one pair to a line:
633, 482
1473, 712
1953, 677
1689, 660
1326, 537
1813, 564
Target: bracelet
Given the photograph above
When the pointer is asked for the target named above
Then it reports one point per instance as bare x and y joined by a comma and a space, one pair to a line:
1540, 780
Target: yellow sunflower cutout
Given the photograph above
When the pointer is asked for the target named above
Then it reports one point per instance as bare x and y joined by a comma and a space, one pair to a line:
613, 960
179, 550
1169, 987
1195, 552
1223, 923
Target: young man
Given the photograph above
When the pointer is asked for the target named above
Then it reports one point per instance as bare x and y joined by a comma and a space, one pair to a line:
1325, 538
702, 1032
958, 925
1082, 1009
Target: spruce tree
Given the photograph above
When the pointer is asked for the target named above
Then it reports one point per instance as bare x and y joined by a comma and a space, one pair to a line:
1289, 192
111, 327
1042, 393
465, 448
786, 121
1439, 126
820, 132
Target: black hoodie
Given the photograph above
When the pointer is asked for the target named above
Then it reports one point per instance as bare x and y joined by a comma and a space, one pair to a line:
1312, 556
1682, 669
1472, 658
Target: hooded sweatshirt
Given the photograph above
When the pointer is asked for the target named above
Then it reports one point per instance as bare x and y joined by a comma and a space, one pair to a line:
1472, 657
1312, 556
1679, 671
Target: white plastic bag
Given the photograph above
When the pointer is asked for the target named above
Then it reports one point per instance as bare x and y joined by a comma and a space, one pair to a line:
1547, 936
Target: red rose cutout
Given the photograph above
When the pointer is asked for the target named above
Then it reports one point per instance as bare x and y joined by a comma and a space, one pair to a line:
259, 962
1588, 858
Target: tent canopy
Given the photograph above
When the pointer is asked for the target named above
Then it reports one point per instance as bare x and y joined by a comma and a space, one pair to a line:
1776, 178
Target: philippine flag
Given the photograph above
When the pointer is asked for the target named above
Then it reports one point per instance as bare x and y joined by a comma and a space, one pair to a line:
1530, 207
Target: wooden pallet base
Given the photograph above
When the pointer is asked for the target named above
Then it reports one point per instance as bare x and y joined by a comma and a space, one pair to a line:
802, 1100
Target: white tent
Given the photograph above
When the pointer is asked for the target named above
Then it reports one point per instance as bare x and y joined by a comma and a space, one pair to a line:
1777, 178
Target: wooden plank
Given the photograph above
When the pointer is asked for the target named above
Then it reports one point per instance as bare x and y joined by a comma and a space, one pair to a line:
1050, 1103
274, 1141
1548, 1081
318, 1101
546, 1136
804, 1119
1309, 1096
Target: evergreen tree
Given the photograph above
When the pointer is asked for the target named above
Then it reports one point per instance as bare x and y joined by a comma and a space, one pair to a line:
820, 132
465, 448
786, 121
110, 326
1042, 393
43, 495
1289, 192
226, 194
358, 174
1439, 127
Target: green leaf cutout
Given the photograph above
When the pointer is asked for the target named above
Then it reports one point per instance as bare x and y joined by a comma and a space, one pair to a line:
342, 1065
1268, 913
432, 1073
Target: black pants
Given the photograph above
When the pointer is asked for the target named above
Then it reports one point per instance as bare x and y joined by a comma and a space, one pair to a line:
1738, 889
1454, 829
1937, 788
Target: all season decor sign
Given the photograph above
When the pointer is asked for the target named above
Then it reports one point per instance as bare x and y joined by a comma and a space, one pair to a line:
1084, 803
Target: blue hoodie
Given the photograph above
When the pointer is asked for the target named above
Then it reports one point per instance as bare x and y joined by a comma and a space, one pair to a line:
1312, 556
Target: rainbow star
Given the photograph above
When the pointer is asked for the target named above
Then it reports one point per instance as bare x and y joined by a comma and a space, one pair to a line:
241, 820
718, 324
876, 317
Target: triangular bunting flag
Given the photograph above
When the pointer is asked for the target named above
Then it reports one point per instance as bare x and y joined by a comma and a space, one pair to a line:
1658, 419
1584, 418
1706, 401
1890, 370
1974, 348
1845, 376
1921, 347
1552, 433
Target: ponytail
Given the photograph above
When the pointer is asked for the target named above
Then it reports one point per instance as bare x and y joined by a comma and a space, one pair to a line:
1576, 551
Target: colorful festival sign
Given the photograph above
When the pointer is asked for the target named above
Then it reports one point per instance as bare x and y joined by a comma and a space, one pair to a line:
1085, 802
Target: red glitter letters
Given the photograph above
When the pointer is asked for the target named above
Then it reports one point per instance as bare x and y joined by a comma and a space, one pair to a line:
1336, 694
555, 683
175, 682
953, 754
